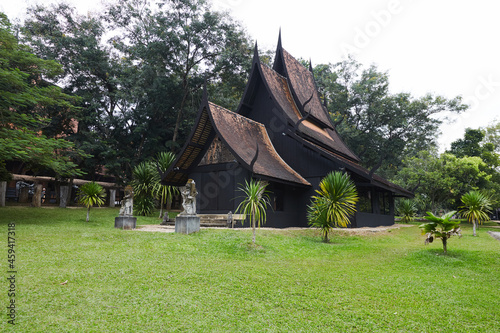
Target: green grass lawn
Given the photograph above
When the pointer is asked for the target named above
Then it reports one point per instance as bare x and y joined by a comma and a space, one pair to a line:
131, 281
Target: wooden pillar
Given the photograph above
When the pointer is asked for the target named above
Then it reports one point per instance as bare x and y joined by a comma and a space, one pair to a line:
63, 195
37, 197
3, 191
24, 194
112, 197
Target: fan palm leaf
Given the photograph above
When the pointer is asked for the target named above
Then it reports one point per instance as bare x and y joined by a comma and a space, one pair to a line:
334, 204
91, 194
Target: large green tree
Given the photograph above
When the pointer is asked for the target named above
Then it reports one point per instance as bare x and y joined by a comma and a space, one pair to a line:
381, 127
27, 99
139, 68
440, 180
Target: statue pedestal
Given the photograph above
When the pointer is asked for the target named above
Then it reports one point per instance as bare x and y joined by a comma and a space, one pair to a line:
187, 224
125, 222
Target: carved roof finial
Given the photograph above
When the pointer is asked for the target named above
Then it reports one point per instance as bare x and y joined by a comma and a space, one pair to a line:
204, 98
255, 54
279, 40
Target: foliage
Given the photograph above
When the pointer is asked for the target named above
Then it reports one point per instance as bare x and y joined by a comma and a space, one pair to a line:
476, 207
147, 184
473, 144
492, 135
440, 181
27, 100
382, 128
91, 194
144, 181
407, 209
255, 202
164, 192
139, 67
334, 204
440, 227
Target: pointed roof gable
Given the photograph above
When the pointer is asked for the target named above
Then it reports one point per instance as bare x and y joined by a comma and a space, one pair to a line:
279, 89
249, 142
246, 139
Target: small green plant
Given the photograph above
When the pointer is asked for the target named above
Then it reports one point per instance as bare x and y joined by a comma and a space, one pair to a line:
165, 192
440, 227
255, 202
144, 180
476, 207
91, 194
407, 209
334, 204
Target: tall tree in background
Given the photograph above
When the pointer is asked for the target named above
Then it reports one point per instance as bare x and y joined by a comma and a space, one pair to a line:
89, 71
380, 127
440, 181
26, 102
184, 42
141, 88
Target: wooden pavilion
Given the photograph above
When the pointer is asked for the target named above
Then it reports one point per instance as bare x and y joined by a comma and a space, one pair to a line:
280, 133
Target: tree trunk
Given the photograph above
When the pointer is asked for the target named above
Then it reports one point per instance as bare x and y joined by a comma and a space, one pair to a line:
23, 195
326, 237
112, 197
37, 197
70, 190
161, 208
253, 227
88, 213
58, 193
444, 239
63, 195
474, 227
3, 191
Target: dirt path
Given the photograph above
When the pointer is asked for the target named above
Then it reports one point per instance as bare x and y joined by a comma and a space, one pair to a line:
365, 230
495, 234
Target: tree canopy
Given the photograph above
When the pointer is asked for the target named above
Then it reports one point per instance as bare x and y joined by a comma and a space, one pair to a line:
27, 101
381, 127
139, 68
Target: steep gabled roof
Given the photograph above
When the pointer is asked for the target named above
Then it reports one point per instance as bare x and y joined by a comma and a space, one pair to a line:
302, 86
279, 88
249, 142
246, 139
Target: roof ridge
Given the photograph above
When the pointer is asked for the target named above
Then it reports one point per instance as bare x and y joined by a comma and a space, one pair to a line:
237, 114
273, 71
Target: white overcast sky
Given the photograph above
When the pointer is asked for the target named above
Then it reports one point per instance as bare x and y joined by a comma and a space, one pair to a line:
443, 47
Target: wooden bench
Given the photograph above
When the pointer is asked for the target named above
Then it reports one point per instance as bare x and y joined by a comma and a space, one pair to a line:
220, 220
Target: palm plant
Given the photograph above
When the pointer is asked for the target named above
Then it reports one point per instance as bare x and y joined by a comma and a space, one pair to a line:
476, 207
334, 204
254, 203
144, 180
440, 227
91, 194
407, 209
165, 192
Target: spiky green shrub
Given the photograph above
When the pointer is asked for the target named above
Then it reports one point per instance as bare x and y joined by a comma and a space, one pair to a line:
334, 204
255, 202
440, 227
407, 209
91, 194
145, 178
476, 207
165, 193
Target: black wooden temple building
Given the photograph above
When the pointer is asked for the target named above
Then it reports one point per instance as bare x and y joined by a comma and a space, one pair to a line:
280, 133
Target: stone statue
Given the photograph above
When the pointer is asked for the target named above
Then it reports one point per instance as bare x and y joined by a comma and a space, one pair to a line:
127, 208
189, 194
